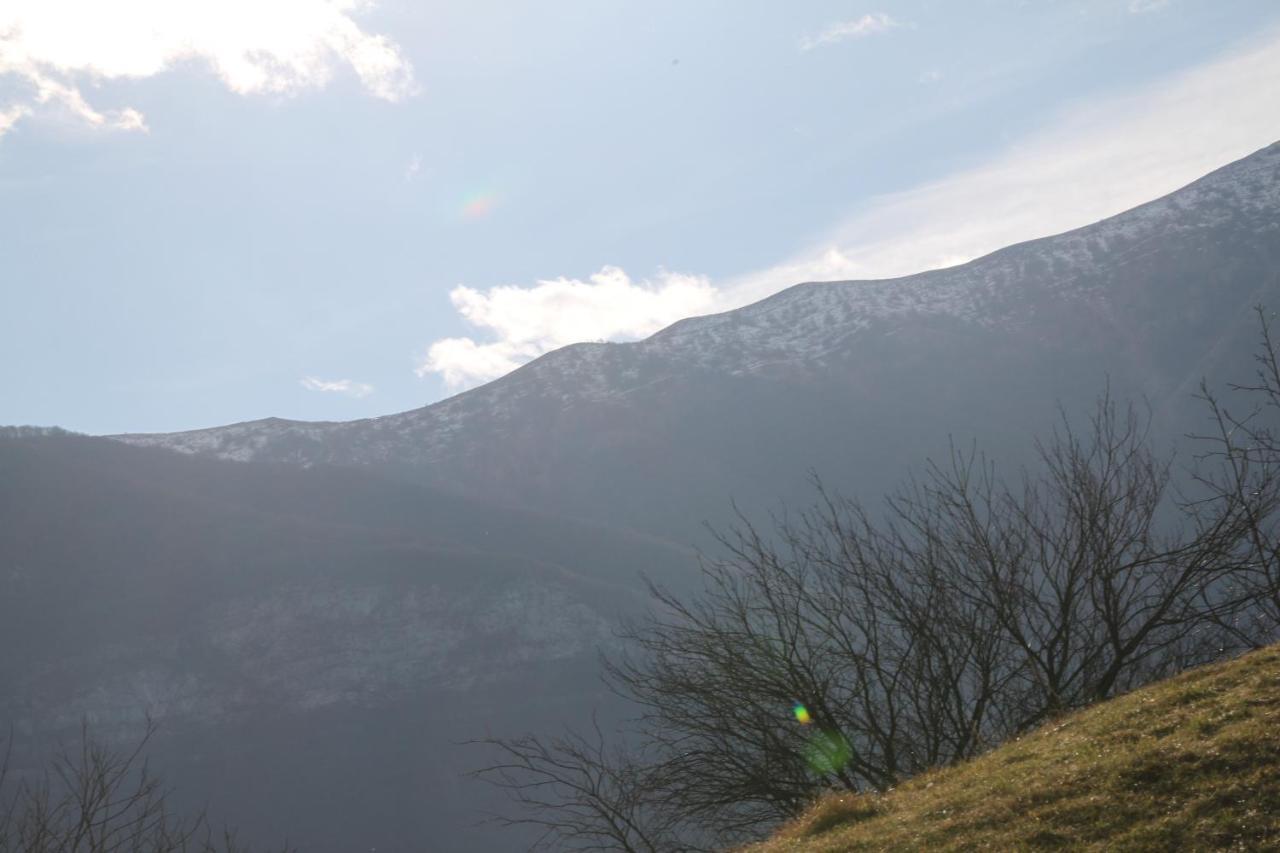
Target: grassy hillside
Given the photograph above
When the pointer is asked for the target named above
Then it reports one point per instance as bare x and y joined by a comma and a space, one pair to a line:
1192, 763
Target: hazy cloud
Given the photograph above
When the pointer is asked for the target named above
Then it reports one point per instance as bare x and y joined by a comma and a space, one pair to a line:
1139, 6
867, 25
338, 386
1089, 163
51, 48
525, 322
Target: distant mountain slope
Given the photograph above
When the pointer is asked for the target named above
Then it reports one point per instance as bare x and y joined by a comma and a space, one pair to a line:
851, 378
322, 625
243, 605
1192, 763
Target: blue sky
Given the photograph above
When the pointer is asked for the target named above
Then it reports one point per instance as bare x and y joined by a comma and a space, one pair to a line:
219, 211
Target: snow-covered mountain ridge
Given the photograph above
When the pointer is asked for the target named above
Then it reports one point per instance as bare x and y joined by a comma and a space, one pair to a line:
805, 329
807, 320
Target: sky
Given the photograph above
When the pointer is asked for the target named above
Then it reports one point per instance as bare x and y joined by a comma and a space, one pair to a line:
219, 210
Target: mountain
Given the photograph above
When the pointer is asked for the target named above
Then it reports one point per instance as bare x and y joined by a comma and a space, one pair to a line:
1187, 764
318, 613
314, 644
853, 379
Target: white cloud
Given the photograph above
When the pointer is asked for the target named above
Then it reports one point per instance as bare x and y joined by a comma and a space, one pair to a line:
338, 386
867, 25
1092, 161
414, 168
1137, 7
9, 116
528, 321
53, 47
131, 119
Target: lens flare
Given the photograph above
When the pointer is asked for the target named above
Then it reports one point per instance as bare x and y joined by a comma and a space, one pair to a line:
827, 751
478, 205
802, 714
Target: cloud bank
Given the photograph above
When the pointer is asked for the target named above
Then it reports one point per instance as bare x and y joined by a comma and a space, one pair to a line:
51, 48
525, 322
337, 386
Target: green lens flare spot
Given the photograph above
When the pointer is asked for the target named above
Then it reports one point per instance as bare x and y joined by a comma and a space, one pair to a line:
827, 751
802, 714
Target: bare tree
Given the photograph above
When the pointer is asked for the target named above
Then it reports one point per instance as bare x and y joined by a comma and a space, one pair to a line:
582, 794
92, 798
1238, 471
851, 647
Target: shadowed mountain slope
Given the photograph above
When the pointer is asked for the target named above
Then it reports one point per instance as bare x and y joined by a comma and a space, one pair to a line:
242, 605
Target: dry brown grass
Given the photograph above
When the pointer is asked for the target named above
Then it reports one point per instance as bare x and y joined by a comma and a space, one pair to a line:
1192, 763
